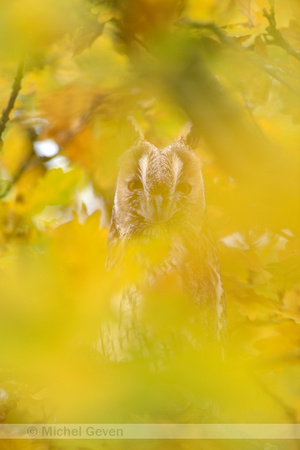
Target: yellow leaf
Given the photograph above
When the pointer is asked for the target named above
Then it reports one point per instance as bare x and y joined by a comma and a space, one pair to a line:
217, 11
56, 188
16, 149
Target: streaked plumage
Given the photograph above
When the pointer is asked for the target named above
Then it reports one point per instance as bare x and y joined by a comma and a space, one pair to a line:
160, 200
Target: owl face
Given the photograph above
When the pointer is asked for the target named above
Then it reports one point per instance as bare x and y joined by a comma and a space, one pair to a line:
158, 190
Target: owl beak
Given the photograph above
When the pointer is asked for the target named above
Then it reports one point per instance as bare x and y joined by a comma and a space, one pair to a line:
157, 208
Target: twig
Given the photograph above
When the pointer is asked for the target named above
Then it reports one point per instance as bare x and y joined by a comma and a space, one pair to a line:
134, 37
289, 411
32, 136
11, 102
269, 70
18, 174
208, 26
276, 35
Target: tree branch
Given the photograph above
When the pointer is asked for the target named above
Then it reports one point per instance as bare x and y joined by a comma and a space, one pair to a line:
11, 102
23, 167
17, 175
227, 40
276, 35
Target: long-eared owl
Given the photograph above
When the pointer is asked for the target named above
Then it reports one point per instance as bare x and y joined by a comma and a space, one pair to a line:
159, 232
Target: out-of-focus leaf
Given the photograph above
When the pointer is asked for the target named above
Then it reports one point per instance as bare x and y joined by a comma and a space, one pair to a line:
84, 38
286, 273
31, 25
252, 10
284, 342
261, 47
56, 188
211, 10
16, 149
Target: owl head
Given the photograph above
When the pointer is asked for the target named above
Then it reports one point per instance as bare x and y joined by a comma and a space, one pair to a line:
158, 190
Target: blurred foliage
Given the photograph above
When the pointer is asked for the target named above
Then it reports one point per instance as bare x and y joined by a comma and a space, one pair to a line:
230, 67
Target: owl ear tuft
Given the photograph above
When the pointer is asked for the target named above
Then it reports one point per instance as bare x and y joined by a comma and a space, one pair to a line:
129, 132
192, 137
137, 129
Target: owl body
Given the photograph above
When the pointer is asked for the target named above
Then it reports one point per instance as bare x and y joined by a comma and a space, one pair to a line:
159, 219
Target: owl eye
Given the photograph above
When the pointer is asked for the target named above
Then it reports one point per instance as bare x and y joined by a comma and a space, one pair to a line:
183, 188
135, 185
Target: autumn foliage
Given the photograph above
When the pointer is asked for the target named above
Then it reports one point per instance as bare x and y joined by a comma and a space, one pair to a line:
71, 74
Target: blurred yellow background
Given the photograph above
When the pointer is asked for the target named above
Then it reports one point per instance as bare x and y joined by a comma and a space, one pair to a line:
232, 69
